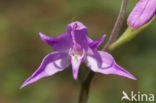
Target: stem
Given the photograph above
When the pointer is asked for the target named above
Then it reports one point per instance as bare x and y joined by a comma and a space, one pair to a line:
118, 24
85, 86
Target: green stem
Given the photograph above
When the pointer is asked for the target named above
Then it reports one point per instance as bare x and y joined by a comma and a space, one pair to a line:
85, 86
118, 24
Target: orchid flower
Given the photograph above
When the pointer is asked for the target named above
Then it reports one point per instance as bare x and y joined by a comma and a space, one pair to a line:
73, 48
142, 13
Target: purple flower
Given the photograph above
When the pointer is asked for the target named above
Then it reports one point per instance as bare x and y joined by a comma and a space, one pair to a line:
75, 47
142, 13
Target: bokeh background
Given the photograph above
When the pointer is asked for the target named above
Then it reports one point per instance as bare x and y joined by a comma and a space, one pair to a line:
21, 51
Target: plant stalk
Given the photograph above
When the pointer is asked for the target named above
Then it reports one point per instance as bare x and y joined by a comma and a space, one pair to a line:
118, 24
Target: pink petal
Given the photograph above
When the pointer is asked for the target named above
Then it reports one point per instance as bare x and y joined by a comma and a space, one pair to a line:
104, 63
51, 64
60, 43
95, 44
80, 33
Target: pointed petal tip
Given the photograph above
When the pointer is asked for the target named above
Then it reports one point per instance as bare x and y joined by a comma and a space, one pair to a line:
122, 72
75, 74
75, 78
45, 38
39, 33
104, 36
26, 82
22, 86
130, 76
134, 78
42, 36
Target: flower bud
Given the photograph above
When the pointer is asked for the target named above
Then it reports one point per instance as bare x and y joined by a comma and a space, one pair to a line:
142, 13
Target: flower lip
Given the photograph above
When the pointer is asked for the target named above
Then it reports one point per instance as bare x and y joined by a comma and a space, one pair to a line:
76, 58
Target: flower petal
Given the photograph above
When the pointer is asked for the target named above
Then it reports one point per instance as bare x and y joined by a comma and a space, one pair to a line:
51, 64
95, 44
80, 33
104, 63
142, 13
60, 43
76, 60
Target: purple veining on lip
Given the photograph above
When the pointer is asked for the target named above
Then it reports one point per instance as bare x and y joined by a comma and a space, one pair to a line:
142, 13
73, 48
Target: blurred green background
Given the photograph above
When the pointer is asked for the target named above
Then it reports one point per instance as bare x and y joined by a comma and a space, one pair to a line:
21, 51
